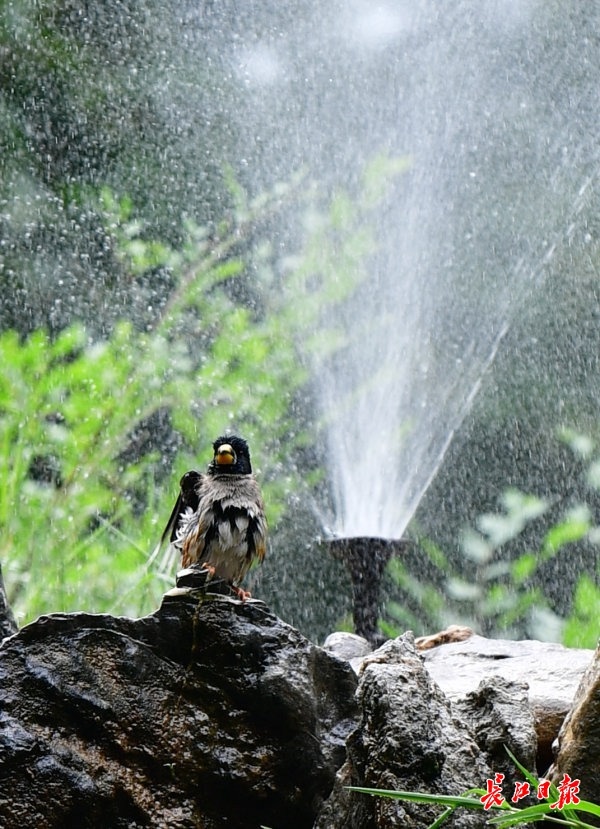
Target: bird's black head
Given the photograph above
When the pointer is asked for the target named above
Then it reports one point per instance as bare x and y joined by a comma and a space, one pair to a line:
232, 457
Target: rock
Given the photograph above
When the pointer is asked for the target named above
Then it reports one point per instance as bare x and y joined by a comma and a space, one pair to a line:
439, 721
551, 672
409, 739
498, 716
207, 713
453, 633
215, 713
579, 738
8, 625
348, 646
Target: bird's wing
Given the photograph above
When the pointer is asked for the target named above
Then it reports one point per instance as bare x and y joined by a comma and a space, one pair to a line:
260, 540
257, 531
188, 497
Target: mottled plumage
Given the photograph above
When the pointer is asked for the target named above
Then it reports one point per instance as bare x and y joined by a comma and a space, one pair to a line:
219, 520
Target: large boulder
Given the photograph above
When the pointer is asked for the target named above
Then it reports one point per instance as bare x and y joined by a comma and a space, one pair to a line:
209, 713
551, 672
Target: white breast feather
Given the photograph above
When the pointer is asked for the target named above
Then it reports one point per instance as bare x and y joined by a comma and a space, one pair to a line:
229, 555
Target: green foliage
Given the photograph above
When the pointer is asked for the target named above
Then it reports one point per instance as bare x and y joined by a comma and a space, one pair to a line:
78, 539
505, 594
83, 107
68, 535
582, 626
424, 594
79, 508
502, 816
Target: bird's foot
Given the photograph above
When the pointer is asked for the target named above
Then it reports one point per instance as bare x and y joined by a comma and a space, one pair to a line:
243, 595
210, 570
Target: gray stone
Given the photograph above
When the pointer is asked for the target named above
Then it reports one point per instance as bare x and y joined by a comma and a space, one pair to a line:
348, 646
214, 713
551, 672
409, 740
499, 716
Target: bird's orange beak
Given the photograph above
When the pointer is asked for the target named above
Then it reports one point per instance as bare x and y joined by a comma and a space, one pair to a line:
224, 456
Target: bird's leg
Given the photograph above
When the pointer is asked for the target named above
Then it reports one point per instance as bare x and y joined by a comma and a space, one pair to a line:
243, 595
209, 569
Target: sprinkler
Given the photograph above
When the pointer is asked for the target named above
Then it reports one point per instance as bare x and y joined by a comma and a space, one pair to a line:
366, 559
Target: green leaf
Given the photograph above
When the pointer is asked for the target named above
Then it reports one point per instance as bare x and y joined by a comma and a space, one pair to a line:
476, 547
582, 627
520, 509
463, 591
527, 507
524, 567
418, 797
574, 527
593, 474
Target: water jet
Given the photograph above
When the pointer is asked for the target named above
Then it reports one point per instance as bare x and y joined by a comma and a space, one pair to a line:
366, 558
503, 175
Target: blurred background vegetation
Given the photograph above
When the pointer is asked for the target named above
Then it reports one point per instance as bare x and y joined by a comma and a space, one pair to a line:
150, 300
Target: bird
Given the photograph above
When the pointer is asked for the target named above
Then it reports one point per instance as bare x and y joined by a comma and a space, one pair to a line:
218, 523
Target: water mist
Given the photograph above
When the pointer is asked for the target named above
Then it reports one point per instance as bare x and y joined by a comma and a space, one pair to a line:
496, 179
459, 90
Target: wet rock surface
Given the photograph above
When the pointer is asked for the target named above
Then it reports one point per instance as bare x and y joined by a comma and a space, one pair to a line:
212, 714
551, 672
459, 660
578, 745
409, 739
8, 625
499, 716
437, 716
215, 713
